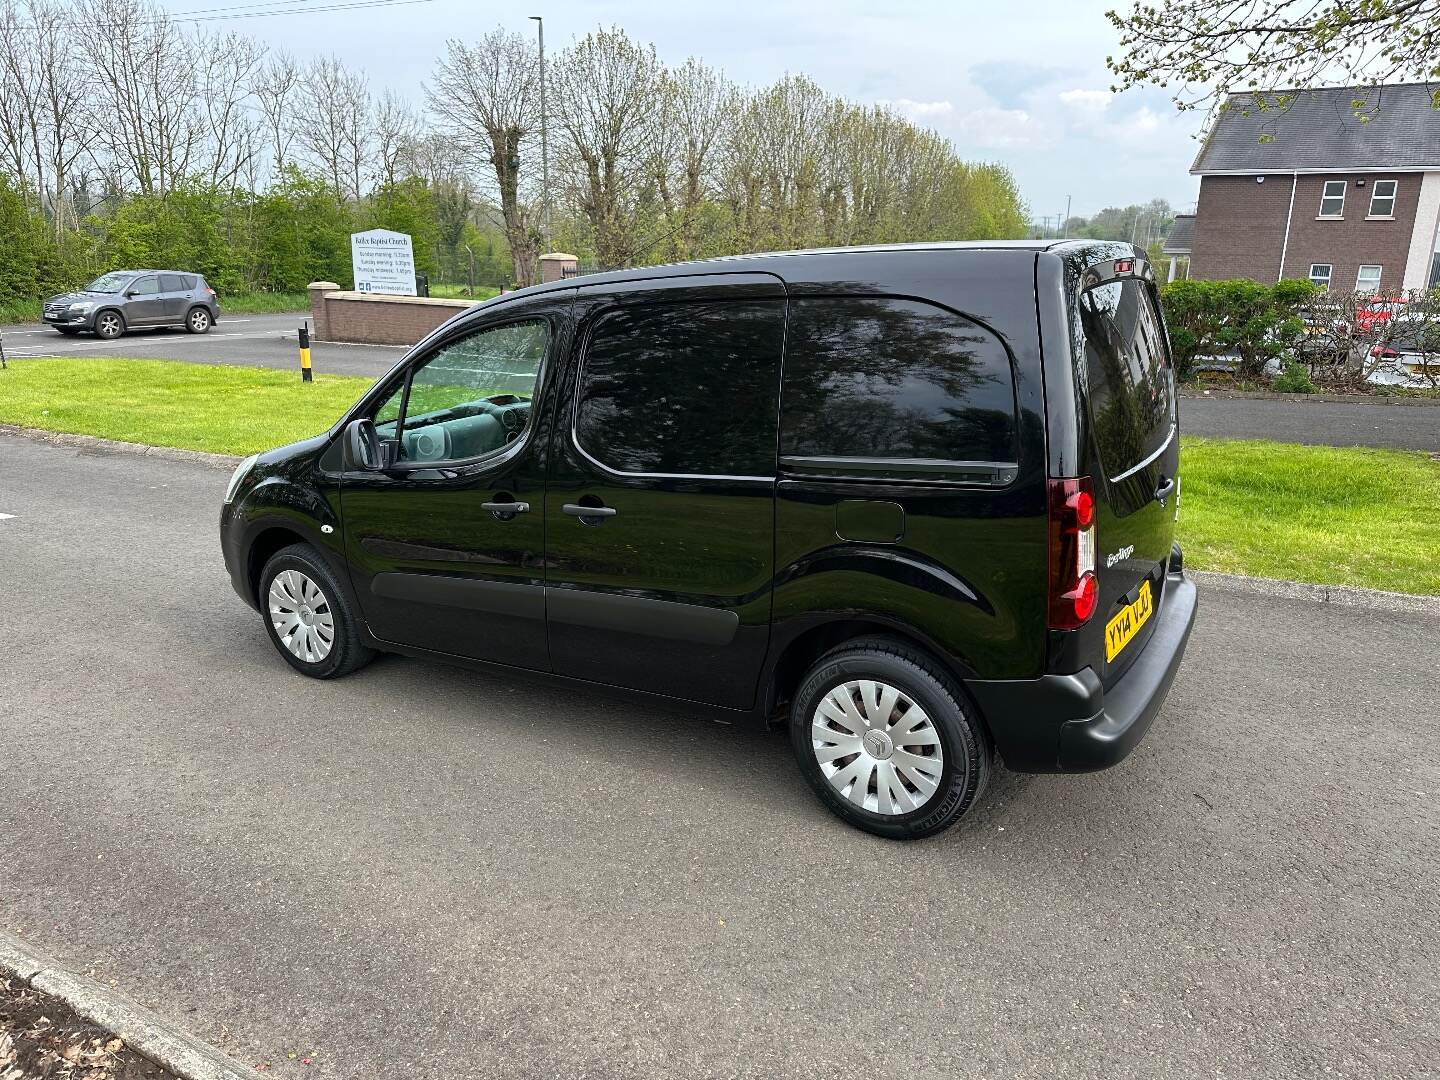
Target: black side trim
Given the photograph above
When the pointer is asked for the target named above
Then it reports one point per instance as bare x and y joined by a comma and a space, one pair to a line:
641, 615
474, 594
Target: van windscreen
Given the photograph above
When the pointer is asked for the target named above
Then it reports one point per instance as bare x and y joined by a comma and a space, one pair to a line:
1128, 379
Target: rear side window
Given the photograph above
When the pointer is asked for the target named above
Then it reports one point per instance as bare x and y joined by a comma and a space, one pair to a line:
685, 388
877, 380
172, 283
1128, 379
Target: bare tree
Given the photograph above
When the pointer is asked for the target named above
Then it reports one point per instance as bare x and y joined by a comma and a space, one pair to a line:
487, 95
696, 102
605, 88
225, 70
396, 128
276, 87
332, 124
150, 130
44, 115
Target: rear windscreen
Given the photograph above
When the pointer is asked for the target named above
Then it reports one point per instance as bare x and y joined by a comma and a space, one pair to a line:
1128, 380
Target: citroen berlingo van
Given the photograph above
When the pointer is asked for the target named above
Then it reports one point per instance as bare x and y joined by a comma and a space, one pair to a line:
916, 502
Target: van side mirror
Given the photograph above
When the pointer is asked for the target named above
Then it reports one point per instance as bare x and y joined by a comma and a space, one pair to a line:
363, 448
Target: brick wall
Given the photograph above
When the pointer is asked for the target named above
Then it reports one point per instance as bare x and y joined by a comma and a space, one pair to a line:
1354, 241
1240, 229
338, 315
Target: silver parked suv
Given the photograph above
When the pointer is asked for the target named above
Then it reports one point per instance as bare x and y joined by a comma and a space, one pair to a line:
125, 299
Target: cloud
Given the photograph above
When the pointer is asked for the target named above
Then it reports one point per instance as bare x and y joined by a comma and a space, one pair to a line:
995, 128
1010, 83
918, 109
1088, 100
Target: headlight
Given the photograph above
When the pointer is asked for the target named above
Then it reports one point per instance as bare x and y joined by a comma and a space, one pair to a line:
237, 476
81, 308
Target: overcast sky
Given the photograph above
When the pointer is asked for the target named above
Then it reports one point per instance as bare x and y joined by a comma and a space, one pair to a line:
1023, 83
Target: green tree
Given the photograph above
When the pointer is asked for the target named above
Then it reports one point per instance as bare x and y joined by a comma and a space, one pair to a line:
1211, 48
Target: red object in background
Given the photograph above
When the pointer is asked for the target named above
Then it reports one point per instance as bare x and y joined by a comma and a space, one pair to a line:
1379, 309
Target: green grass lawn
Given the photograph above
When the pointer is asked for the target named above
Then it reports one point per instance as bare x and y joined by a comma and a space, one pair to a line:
265, 303
224, 410
1333, 517
1311, 513
457, 292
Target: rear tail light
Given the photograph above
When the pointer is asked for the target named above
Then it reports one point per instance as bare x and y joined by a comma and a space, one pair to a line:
1074, 589
1384, 353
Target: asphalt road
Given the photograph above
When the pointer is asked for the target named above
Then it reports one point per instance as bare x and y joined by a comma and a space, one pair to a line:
249, 340
1319, 423
422, 872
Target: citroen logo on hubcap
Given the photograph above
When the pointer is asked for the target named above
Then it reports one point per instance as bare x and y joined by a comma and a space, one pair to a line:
877, 744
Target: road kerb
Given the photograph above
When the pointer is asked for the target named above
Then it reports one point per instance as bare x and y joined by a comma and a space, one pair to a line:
144, 1031
1345, 595
115, 446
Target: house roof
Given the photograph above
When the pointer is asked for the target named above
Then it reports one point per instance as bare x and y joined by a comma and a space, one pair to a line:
1180, 236
1318, 131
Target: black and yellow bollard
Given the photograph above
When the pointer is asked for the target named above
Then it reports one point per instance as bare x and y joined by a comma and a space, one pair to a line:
305, 353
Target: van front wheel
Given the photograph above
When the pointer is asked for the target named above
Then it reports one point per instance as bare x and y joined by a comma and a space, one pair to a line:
882, 736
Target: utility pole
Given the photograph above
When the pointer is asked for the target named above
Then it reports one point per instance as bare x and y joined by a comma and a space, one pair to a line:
539, 21
1066, 235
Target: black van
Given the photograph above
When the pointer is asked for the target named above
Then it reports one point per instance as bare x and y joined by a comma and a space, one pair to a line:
919, 499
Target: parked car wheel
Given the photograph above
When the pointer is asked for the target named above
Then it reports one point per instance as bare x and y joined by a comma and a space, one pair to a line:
308, 615
882, 736
198, 321
109, 324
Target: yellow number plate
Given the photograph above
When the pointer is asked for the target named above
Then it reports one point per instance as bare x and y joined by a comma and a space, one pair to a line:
1123, 627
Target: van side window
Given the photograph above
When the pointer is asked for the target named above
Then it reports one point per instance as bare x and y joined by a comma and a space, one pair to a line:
470, 398
683, 388
885, 379
1128, 379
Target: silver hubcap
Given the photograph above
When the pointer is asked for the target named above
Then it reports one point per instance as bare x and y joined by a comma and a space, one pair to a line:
109, 324
301, 616
199, 320
877, 747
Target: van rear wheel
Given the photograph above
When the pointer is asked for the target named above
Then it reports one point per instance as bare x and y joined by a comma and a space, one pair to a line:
881, 734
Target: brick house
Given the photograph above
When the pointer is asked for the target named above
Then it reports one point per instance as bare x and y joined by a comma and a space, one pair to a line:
1315, 191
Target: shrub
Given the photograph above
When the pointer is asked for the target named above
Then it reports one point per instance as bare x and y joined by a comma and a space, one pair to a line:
1254, 322
1294, 379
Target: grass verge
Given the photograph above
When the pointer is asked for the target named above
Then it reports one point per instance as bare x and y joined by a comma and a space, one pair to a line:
222, 410
1307, 513
265, 303
1312, 513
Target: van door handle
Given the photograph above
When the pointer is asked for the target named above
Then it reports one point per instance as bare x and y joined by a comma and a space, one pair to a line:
584, 512
506, 510
1165, 490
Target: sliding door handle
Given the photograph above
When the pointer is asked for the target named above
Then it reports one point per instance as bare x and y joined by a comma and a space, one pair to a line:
589, 515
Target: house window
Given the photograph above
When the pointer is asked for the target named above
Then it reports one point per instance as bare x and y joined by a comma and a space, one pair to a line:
1382, 198
1332, 202
1320, 274
1368, 279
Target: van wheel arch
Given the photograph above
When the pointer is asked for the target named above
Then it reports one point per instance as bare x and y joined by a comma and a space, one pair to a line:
810, 646
263, 548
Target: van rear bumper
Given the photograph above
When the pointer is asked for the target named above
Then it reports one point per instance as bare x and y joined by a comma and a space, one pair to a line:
1069, 723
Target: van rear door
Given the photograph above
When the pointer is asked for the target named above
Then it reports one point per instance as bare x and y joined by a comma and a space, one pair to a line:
1129, 407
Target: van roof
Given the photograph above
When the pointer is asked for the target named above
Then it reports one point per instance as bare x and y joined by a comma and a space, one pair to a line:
773, 261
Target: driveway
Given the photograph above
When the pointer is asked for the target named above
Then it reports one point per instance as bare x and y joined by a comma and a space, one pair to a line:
1319, 423
249, 340
424, 872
